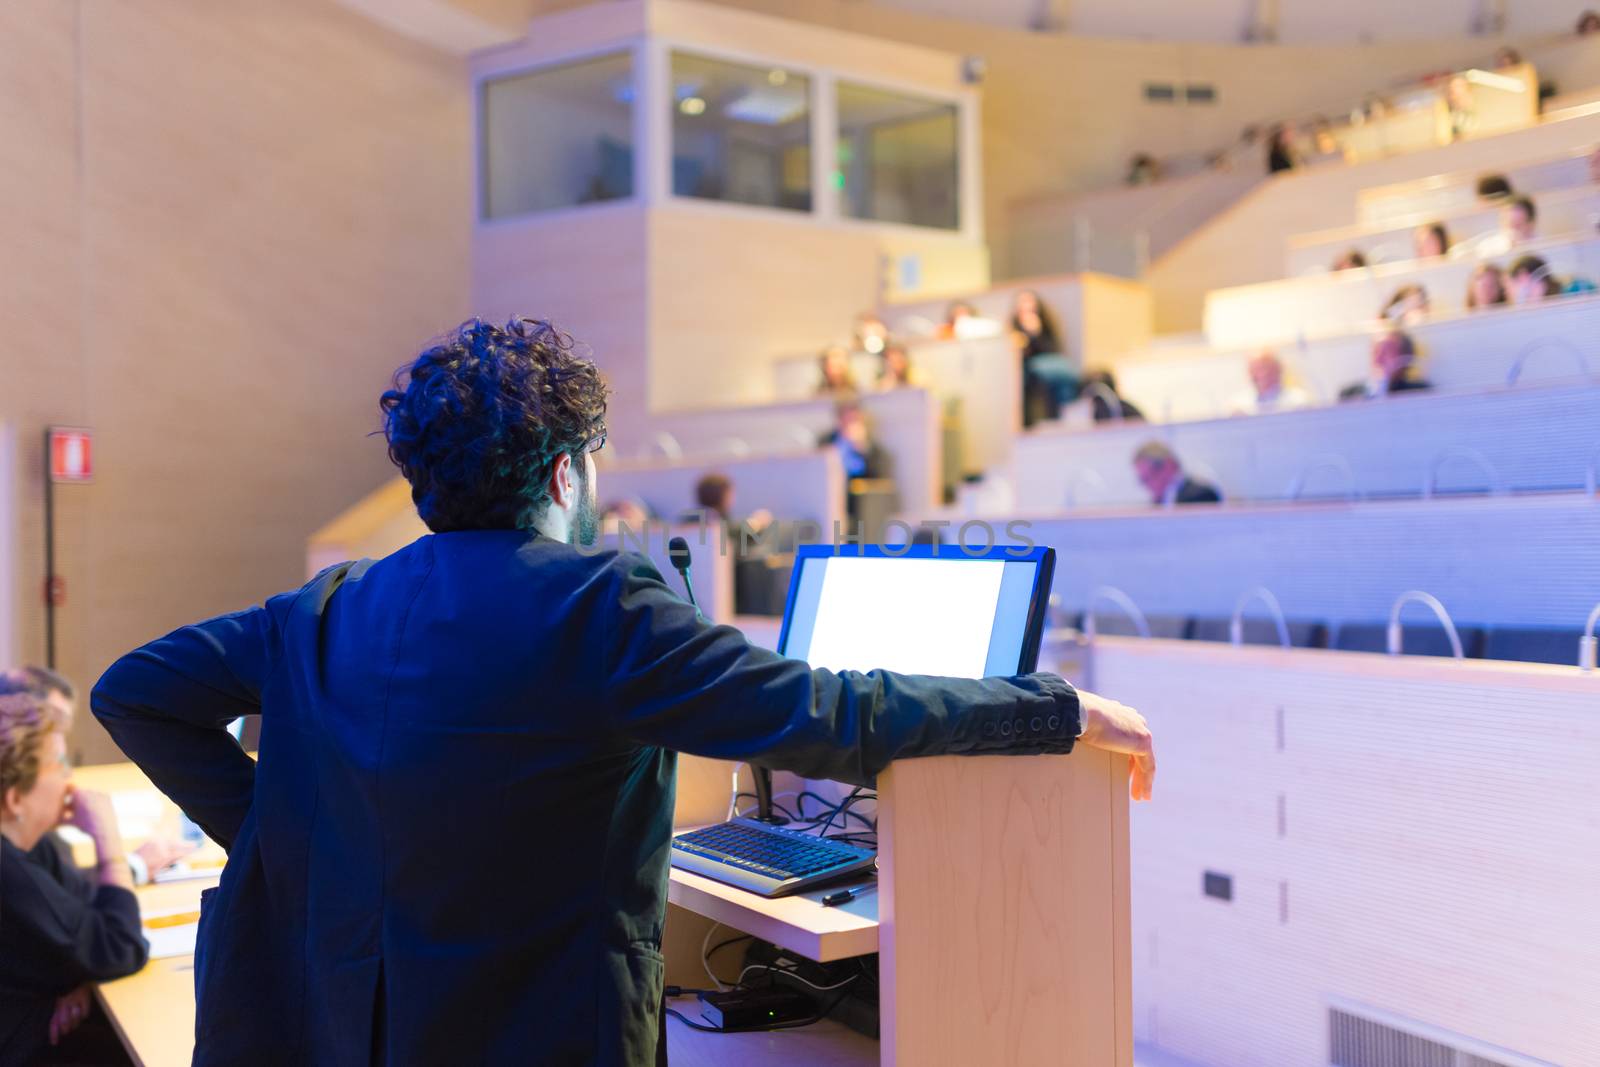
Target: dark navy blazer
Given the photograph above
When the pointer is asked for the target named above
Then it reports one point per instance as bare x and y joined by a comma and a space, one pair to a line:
454, 847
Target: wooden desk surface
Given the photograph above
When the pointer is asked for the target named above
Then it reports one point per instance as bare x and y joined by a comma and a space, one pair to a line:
799, 922
153, 1011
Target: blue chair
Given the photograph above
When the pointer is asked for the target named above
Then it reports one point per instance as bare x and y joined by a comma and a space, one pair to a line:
1418, 640
1303, 633
1533, 644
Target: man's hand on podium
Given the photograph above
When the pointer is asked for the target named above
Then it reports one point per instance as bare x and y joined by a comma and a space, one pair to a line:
1118, 728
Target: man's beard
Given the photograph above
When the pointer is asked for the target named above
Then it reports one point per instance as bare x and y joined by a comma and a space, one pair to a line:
585, 517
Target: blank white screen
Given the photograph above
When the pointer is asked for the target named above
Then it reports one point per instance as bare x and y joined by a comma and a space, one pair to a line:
911, 616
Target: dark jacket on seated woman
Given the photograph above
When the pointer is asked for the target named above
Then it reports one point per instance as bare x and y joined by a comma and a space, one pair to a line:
59, 931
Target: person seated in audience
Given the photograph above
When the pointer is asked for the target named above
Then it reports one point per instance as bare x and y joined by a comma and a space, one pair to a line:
1588, 22
1493, 188
1108, 404
957, 313
859, 451
62, 932
1407, 307
1518, 220
1268, 392
895, 370
1047, 375
1506, 57
1323, 140
1463, 108
1162, 476
834, 365
1143, 169
1517, 225
1486, 288
1430, 241
1351, 260
713, 497
1394, 355
629, 513
1532, 281
963, 323
871, 333
61, 697
1281, 154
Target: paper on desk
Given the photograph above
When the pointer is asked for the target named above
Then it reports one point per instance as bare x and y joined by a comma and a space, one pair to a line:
171, 933
189, 870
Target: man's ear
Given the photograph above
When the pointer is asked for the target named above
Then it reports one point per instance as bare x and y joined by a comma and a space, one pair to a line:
562, 489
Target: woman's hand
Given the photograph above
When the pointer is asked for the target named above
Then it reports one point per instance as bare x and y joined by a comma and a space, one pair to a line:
71, 1010
90, 811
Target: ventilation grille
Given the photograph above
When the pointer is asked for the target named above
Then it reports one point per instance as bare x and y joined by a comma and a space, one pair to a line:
1359, 1041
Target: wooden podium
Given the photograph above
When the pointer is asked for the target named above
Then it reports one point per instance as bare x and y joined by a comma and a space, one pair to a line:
1002, 921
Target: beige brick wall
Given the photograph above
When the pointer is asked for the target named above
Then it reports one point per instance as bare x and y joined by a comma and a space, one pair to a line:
225, 225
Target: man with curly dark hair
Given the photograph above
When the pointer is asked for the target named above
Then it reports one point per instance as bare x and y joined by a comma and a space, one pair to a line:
454, 847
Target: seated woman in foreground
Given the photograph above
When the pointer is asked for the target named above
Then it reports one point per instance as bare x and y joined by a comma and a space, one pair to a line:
63, 931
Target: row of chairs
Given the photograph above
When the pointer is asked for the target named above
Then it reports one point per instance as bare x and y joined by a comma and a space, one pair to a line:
1527, 644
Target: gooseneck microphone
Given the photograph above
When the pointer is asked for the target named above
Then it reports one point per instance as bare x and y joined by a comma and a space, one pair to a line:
678, 556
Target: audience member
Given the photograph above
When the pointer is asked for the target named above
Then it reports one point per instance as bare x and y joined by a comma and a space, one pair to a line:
1531, 281
955, 315
1049, 381
1430, 241
62, 932
1351, 260
1463, 109
1143, 169
1035, 325
962, 322
871, 333
61, 697
1493, 188
895, 370
1393, 357
1268, 393
1323, 140
1407, 307
834, 365
859, 450
1517, 225
1162, 476
1588, 22
713, 494
1486, 287
1506, 57
1101, 388
629, 512
1280, 149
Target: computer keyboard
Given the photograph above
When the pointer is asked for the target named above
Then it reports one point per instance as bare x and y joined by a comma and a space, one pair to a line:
769, 860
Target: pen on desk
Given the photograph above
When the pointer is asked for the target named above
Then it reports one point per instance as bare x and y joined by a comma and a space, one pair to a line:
844, 896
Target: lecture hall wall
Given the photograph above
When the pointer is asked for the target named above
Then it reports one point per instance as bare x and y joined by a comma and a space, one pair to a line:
226, 225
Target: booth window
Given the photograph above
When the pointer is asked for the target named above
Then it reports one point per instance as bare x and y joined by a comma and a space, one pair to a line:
740, 133
556, 137
898, 157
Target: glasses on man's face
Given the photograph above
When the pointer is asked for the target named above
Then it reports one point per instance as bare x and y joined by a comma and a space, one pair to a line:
596, 443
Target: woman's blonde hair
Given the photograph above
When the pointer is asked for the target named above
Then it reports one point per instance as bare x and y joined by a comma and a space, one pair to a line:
25, 723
